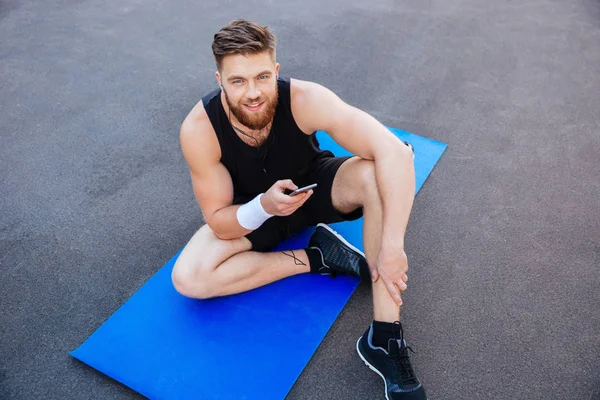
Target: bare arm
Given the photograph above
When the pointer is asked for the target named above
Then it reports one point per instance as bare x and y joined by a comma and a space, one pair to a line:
317, 108
210, 179
212, 183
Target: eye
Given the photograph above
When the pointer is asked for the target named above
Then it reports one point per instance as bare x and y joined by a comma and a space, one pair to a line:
237, 81
263, 77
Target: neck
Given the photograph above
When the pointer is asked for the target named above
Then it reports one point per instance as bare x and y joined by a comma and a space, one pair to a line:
252, 138
244, 130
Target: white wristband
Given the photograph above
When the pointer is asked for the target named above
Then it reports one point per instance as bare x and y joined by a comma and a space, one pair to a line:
252, 215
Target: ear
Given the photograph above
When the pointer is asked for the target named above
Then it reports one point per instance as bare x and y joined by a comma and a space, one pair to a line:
218, 76
277, 70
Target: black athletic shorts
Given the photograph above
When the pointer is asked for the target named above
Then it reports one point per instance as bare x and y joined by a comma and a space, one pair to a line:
319, 208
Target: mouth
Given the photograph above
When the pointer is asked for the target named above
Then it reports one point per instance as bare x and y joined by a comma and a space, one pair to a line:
254, 106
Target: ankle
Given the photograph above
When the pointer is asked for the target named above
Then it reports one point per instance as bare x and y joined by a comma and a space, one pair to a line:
315, 259
384, 331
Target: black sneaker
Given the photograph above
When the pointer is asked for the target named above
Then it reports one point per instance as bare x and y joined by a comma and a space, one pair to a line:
337, 255
393, 365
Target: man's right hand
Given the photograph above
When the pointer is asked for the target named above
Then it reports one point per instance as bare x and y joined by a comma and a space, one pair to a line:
276, 202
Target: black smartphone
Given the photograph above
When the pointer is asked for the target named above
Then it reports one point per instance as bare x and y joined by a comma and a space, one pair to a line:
303, 189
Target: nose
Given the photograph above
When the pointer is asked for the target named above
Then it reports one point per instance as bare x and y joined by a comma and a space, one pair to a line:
253, 91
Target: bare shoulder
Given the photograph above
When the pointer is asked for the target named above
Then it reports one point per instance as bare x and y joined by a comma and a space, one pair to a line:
314, 106
303, 91
304, 97
198, 138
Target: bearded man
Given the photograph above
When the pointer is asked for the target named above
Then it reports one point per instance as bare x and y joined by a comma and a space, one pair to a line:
249, 143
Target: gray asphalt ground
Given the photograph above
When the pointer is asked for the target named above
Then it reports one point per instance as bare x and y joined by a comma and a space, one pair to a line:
503, 243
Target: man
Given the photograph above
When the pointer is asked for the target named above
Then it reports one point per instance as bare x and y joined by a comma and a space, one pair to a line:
250, 142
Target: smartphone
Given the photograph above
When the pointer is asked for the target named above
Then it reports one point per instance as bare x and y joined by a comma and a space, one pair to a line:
303, 189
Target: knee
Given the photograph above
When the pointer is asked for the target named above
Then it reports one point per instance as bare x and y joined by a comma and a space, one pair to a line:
192, 278
366, 177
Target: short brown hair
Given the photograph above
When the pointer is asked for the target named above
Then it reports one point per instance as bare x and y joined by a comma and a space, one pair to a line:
242, 37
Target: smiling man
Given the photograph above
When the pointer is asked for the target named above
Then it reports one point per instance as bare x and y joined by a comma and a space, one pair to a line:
252, 141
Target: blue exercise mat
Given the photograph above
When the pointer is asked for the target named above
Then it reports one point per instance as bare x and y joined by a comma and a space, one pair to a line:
252, 345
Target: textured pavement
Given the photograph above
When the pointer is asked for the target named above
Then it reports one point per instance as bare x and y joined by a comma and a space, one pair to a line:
504, 239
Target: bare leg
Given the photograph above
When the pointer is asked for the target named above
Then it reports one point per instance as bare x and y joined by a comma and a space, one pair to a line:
210, 267
364, 191
385, 308
355, 186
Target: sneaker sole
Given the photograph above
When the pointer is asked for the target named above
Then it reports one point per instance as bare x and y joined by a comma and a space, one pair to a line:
342, 239
372, 367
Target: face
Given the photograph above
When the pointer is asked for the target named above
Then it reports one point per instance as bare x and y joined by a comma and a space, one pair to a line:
250, 88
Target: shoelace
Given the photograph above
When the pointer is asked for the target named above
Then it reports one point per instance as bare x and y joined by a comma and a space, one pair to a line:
403, 366
406, 374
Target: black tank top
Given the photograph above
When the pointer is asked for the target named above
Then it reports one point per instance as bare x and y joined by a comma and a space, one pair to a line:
286, 153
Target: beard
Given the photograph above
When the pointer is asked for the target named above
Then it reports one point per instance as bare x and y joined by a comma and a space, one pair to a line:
254, 120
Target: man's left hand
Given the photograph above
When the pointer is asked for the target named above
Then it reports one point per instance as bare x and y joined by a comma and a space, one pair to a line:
392, 266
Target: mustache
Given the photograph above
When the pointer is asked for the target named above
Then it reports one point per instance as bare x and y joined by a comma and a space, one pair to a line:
254, 120
254, 101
